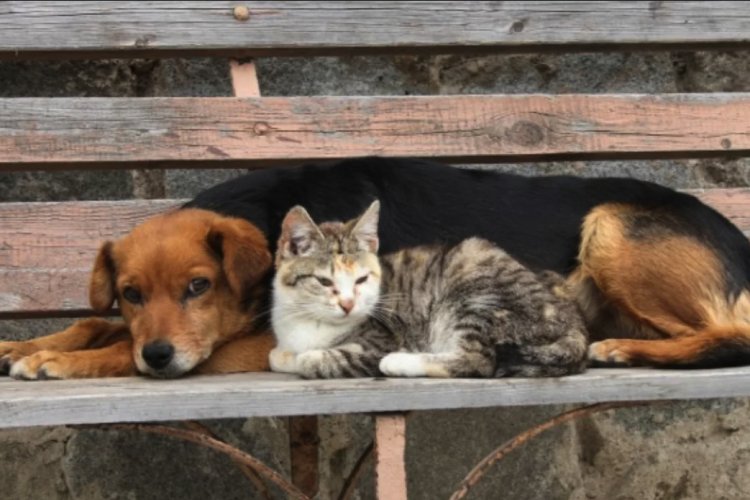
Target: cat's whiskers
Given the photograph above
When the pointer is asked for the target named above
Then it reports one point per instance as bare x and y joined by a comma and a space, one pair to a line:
380, 308
391, 299
301, 310
384, 315
301, 315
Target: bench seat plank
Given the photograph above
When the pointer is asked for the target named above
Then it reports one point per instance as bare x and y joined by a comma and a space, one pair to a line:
54, 133
269, 394
47, 249
102, 29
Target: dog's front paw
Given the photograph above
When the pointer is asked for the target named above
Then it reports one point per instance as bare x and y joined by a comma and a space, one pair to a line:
403, 364
12, 352
609, 351
282, 361
50, 365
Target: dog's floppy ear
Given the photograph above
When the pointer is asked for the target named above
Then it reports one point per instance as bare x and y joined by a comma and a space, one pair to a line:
243, 250
102, 283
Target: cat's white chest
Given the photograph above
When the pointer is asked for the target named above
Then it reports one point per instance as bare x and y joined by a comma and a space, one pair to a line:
300, 335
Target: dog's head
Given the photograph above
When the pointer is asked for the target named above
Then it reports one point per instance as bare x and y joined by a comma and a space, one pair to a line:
186, 282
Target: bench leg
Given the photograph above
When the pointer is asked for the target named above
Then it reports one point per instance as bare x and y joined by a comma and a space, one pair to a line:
244, 78
303, 451
390, 468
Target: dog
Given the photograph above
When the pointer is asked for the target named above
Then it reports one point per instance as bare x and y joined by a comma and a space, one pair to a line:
187, 285
661, 278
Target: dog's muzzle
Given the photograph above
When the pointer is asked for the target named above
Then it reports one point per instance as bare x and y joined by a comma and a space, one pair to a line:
158, 354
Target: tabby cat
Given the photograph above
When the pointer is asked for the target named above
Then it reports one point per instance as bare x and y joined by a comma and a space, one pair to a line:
468, 310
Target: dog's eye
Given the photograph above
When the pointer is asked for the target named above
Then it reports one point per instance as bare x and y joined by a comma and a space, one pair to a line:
362, 279
324, 281
197, 286
132, 295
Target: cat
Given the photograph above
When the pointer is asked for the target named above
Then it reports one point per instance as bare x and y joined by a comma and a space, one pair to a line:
466, 310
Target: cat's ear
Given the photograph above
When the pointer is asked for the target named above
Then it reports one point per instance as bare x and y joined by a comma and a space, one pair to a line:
365, 230
298, 234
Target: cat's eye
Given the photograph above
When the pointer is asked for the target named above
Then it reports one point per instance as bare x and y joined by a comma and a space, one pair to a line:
197, 286
324, 281
132, 295
362, 279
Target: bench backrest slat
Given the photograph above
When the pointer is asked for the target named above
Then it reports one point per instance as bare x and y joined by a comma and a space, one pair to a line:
99, 29
102, 132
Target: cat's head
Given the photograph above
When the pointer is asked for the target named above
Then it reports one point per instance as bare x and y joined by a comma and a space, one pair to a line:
330, 271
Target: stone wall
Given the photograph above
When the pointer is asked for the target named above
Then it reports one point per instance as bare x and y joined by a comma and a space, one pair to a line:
685, 450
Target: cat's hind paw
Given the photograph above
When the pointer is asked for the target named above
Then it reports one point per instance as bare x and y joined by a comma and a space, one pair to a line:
403, 364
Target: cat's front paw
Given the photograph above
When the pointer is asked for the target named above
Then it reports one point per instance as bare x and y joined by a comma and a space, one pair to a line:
311, 364
403, 364
282, 361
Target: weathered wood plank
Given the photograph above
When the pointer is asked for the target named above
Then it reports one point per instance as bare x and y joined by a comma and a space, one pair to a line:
25, 404
733, 203
202, 132
47, 249
290, 28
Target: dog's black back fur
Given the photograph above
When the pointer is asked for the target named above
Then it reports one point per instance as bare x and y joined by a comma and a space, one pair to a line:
536, 219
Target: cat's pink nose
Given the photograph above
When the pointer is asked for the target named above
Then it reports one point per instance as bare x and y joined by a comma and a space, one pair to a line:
347, 305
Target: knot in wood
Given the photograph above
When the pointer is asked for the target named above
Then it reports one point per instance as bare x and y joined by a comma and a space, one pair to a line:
261, 128
144, 40
241, 13
517, 26
525, 133
726, 144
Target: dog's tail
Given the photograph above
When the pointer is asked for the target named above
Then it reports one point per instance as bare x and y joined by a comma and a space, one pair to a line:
713, 347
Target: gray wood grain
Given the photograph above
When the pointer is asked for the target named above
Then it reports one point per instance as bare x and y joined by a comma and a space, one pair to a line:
158, 28
266, 394
53, 133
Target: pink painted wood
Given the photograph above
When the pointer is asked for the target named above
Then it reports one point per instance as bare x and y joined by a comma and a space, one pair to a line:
244, 79
219, 132
390, 445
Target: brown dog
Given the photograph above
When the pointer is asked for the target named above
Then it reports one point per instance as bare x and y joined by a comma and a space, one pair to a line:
188, 287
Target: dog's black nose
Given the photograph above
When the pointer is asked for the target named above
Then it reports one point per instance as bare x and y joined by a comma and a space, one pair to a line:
158, 354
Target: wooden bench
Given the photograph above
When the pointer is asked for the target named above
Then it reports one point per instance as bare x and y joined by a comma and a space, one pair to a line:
46, 249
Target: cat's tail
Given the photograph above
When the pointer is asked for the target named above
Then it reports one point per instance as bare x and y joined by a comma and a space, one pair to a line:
565, 356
